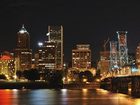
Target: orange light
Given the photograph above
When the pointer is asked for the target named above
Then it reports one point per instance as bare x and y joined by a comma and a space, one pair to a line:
5, 97
5, 57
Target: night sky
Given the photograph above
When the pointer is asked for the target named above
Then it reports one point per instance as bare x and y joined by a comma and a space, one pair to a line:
83, 22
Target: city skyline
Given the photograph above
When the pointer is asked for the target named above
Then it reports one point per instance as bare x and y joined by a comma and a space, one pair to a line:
83, 22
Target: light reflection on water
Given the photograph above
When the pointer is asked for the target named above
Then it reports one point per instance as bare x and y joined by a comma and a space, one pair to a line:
65, 97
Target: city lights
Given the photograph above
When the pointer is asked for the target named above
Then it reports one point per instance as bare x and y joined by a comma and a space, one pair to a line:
23, 30
49, 58
40, 44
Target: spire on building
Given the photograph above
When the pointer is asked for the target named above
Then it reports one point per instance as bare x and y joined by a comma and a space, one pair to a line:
23, 30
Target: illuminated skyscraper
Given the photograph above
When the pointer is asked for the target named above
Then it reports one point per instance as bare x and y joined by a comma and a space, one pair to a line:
138, 56
104, 63
56, 35
81, 57
23, 53
45, 56
23, 39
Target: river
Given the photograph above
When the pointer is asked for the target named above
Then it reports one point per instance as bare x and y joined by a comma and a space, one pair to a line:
64, 97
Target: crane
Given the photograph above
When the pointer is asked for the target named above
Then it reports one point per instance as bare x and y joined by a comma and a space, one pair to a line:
105, 43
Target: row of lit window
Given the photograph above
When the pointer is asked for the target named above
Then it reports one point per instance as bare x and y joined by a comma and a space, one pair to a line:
26, 53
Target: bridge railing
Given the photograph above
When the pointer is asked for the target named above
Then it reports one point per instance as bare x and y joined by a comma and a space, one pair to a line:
120, 73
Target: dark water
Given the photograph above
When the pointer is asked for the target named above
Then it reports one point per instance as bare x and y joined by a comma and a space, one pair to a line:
65, 97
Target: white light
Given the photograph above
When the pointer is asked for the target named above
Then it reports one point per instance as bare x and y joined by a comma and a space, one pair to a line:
40, 44
22, 31
48, 34
15, 77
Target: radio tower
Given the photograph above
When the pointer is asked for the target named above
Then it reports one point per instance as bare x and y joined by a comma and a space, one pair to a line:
123, 51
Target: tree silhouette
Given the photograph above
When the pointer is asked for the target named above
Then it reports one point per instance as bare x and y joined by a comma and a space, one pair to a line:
31, 75
86, 75
2, 76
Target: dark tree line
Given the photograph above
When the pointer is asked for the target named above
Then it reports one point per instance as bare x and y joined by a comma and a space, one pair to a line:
2, 77
32, 74
54, 77
86, 75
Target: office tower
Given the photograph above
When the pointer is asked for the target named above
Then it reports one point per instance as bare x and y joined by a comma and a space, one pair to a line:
23, 39
138, 56
45, 56
104, 63
23, 53
56, 35
81, 57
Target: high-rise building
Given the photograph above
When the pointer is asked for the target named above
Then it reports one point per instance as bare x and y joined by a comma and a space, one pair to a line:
56, 35
23, 39
138, 56
23, 53
50, 52
104, 63
45, 56
81, 57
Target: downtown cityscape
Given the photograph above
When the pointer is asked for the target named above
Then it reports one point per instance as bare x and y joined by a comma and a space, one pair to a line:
22, 64
69, 52
48, 57
117, 70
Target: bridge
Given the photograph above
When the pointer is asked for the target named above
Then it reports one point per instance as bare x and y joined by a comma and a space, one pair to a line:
120, 71
127, 84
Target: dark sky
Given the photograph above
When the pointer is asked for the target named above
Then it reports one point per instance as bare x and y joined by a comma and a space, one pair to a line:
83, 22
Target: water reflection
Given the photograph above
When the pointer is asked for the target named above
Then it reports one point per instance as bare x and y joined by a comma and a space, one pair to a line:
5, 97
137, 102
65, 97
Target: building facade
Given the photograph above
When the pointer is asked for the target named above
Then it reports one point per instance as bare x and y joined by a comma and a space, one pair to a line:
45, 56
7, 65
56, 35
104, 63
23, 53
81, 56
138, 56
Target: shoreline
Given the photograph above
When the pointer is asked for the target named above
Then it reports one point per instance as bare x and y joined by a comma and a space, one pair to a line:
23, 85
43, 85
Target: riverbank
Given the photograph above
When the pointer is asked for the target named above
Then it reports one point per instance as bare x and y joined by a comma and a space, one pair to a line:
91, 85
23, 85
43, 85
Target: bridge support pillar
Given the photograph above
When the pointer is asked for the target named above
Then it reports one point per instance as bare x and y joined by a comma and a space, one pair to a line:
135, 86
119, 85
123, 85
114, 83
